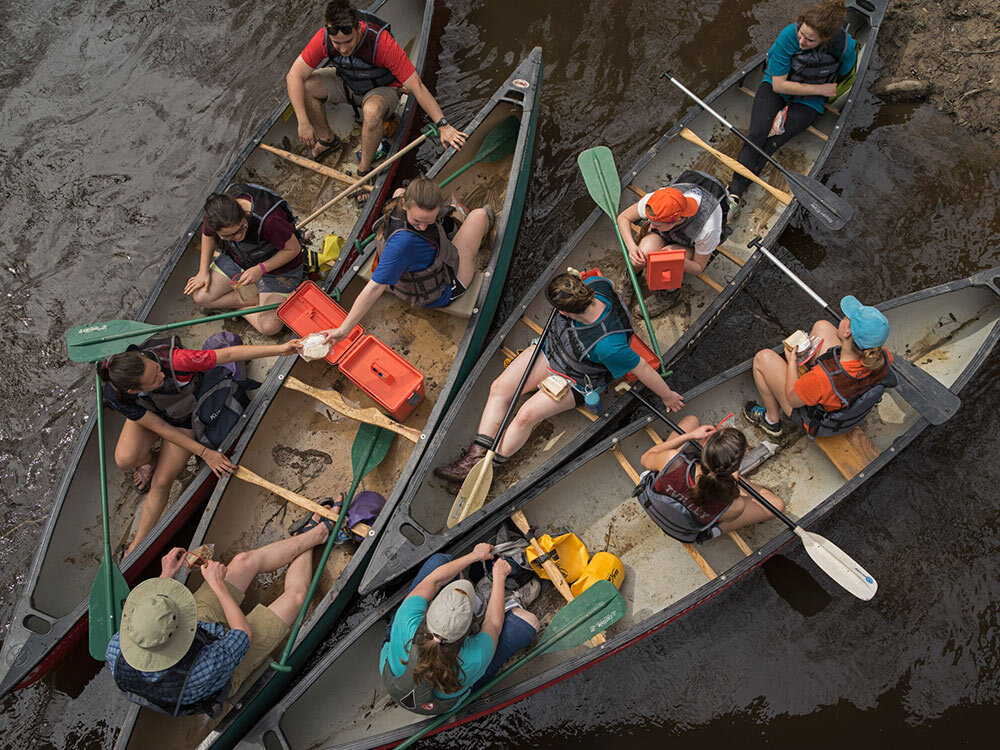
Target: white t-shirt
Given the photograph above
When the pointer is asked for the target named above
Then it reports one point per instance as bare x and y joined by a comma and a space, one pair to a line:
710, 236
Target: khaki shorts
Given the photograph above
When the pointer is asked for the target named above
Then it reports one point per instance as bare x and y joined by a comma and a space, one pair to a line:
335, 90
268, 631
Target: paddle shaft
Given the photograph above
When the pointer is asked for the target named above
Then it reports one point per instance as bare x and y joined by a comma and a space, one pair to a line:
293, 497
691, 137
113, 616
308, 163
756, 243
180, 324
544, 644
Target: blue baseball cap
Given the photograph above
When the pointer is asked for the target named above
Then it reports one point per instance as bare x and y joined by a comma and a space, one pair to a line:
869, 327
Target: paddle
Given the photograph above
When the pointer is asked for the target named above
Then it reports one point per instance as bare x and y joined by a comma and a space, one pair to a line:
600, 174
333, 398
828, 556
116, 336
595, 610
819, 200
497, 144
108, 594
370, 446
477, 484
921, 390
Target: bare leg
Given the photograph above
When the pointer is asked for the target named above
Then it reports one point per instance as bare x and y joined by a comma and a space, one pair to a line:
374, 111
297, 580
219, 294
827, 331
268, 322
172, 460
769, 370
532, 411
651, 243
753, 511
135, 446
468, 240
502, 389
316, 110
246, 565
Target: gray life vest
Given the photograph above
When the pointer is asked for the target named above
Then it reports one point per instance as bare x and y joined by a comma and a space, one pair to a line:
253, 248
569, 344
666, 498
821, 64
174, 401
164, 694
412, 695
358, 70
711, 195
420, 288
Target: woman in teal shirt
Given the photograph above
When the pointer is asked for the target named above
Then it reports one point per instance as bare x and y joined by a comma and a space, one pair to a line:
803, 66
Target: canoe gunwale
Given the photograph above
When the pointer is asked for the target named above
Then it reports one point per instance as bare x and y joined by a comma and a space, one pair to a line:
684, 344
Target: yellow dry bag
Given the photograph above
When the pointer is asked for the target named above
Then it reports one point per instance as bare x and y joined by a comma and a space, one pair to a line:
572, 555
602, 567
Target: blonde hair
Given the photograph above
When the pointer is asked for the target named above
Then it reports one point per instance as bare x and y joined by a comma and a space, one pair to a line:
437, 662
424, 192
873, 359
826, 19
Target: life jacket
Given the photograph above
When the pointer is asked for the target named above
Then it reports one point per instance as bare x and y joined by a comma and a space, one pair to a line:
253, 248
174, 401
221, 401
821, 64
568, 343
711, 195
666, 498
164, 694
420, 288
858, 396
358, 70
412, 695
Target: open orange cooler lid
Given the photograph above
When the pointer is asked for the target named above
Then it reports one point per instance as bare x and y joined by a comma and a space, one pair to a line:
382, 373
309, 309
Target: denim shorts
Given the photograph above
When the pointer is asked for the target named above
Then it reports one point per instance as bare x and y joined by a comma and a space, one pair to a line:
269, 283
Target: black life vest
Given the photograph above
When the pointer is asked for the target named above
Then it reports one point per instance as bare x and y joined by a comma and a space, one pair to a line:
412, 695
821, 64
666, 498
358, 70
253, 248
174, 401
420, 288
164, 694
858, 396
569, 344
711, 195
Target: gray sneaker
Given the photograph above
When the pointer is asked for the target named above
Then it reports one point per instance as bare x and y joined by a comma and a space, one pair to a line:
525, 596
735, 204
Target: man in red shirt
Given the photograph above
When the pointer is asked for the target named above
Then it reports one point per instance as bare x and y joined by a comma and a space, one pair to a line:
367, 69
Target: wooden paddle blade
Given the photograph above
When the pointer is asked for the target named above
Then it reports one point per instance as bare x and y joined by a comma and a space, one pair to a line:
925, 393
838, 565
597, 165
824, 204
474, 490
599, 607
102, 626
335, 400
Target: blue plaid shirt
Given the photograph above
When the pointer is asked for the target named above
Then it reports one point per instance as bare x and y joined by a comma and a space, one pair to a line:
213, 667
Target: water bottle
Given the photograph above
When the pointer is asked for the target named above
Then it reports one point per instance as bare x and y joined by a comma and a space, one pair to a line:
592, 400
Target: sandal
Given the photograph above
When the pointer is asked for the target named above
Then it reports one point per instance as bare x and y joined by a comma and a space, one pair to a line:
308, 523
142, 477
328, 148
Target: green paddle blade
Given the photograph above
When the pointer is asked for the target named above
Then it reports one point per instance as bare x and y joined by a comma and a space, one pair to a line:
597, 165
593, 612
497, 144
109, 587
370, 447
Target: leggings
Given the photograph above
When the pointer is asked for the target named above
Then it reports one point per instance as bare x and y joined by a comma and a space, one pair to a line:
765, 106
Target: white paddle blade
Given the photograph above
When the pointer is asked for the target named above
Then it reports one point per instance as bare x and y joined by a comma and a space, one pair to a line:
474, 489
838, 565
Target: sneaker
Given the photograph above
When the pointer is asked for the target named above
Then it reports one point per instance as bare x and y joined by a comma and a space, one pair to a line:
735, 204
622, 283
380, 153
483, 590
757, 414
525, 596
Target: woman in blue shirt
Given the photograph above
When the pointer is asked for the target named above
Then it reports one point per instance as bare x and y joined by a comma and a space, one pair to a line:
803, 66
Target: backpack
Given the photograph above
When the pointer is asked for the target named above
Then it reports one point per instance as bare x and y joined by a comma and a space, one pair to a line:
221, 401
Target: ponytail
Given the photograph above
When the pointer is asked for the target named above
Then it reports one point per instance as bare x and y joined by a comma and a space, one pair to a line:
720, 459
123, 372
873, 359
826, 19
437, 661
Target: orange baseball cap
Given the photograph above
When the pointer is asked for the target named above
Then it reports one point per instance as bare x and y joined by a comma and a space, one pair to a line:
670, 204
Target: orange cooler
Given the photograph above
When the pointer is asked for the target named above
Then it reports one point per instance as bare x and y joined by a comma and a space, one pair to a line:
665, 269
384, 375
309, 310
640, 348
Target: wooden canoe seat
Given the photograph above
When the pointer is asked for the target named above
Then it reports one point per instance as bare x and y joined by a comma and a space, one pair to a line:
850, 452
461, 308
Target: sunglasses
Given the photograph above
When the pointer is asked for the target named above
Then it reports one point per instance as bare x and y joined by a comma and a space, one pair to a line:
333, 30
243, 227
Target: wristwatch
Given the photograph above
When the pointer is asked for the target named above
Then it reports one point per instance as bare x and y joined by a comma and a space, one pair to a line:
441, 123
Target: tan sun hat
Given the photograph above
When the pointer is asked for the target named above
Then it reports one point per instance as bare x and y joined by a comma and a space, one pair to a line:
450, 613
159, 621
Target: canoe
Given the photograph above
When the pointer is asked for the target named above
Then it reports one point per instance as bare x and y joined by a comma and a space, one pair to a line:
418, 528
948, 331
51, 614
297, 443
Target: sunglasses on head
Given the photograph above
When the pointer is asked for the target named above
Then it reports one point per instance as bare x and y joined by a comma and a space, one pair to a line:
340, 29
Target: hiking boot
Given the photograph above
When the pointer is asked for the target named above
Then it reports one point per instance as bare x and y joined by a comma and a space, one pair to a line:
735, 204
458, 470
661, 300
525, 596
757, 414
623, 285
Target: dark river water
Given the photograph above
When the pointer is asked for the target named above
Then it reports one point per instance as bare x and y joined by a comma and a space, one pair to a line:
117, 118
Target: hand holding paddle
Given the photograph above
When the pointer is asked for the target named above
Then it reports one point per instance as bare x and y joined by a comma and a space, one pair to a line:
829, 557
